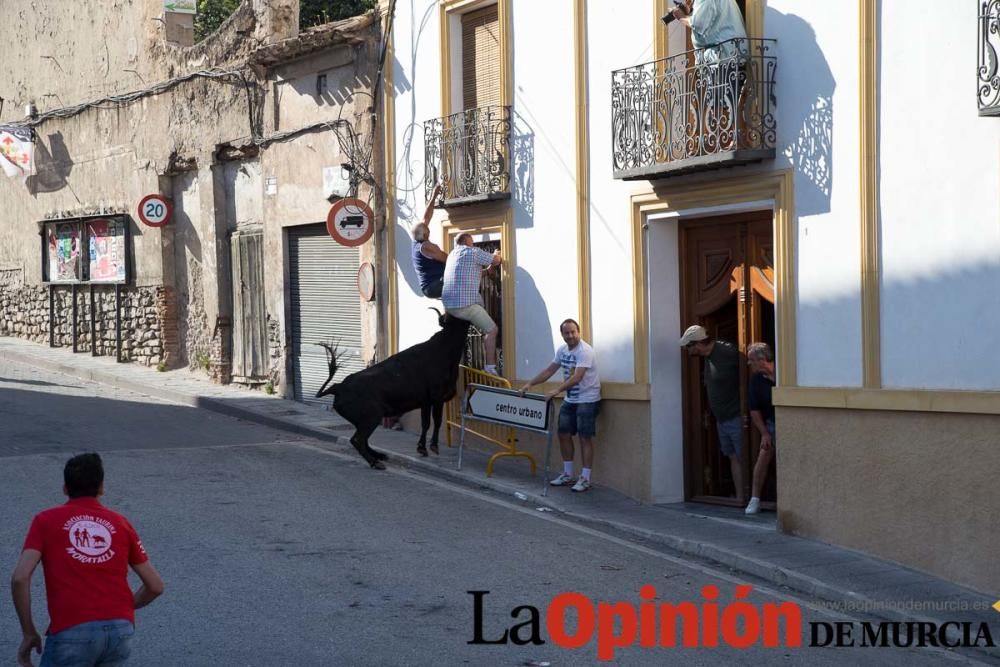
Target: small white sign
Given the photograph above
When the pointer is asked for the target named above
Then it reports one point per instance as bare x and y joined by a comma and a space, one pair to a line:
271, 185
181, 6
336, 182
504, 405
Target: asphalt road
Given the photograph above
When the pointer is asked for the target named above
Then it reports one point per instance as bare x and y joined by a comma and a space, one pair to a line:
280, 550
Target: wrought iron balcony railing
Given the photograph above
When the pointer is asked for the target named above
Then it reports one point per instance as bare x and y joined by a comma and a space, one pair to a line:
698, 110
989, 53
468, 153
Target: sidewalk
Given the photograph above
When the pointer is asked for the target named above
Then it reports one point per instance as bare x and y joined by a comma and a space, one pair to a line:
853, 582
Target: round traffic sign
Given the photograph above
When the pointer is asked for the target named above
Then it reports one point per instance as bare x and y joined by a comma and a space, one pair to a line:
350, 222
366, 282
155, 210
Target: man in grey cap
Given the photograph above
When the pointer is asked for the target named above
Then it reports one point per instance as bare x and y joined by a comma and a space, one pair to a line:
722, 383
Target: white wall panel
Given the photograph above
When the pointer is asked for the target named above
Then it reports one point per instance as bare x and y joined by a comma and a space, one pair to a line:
818, 122
940, 172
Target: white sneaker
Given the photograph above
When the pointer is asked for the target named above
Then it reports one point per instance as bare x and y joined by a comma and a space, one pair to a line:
582, 484
753, 507
563, 480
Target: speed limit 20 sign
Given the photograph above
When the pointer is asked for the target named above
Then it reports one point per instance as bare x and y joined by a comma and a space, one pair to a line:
155, 210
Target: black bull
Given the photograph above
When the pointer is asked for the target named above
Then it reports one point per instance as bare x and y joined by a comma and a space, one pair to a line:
423, 376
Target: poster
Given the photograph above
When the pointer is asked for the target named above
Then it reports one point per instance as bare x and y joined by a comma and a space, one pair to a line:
63, 252
106, 241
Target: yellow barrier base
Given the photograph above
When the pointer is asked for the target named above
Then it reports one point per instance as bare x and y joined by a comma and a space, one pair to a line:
504, 437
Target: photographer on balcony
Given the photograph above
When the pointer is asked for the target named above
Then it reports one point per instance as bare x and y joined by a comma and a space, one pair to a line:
714, 24
721, 51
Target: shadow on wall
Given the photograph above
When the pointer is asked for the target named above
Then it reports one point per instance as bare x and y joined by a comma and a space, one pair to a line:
53, 165
806, 110
954, 303
404, 245
329, 88
522, 171
535, 329
409, 173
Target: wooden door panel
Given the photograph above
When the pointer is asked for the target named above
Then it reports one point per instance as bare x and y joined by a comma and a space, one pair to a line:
727, 282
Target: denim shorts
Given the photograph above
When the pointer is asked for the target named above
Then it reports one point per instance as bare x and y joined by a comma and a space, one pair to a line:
98, 643
730, 436
433, 291
579, 418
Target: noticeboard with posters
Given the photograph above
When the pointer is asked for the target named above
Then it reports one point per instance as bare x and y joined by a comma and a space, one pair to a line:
106, 250
89, 250
62, 252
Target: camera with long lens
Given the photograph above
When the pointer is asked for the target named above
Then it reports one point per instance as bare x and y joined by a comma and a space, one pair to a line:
669, 16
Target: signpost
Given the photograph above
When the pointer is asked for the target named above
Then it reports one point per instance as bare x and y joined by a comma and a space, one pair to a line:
507, 407
350, 221
180, 6
155, 210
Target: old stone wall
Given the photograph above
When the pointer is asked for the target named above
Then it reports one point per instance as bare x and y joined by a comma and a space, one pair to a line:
192, 123
147, 326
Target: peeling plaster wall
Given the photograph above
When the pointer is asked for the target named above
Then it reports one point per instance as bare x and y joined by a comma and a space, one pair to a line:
189, 141
294, 169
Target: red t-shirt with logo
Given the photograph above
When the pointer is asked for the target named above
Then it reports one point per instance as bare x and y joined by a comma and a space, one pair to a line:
86, 550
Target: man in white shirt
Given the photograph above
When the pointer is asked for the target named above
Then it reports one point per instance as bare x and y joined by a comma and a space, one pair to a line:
578, 414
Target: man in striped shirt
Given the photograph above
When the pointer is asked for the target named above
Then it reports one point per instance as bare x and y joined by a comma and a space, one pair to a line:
460, 295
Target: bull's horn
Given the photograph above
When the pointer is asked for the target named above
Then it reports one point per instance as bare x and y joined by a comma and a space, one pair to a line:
440, 314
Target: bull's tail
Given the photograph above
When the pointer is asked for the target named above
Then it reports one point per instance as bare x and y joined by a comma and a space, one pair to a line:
332, 357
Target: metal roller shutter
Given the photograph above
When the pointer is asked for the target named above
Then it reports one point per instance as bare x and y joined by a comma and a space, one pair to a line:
325, 308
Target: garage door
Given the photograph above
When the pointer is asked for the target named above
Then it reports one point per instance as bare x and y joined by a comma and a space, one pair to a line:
325, 308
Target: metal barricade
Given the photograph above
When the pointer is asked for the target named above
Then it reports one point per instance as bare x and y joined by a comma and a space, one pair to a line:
504, 437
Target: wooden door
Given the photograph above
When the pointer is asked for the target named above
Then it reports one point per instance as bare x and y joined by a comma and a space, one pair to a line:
727, 284
250, 345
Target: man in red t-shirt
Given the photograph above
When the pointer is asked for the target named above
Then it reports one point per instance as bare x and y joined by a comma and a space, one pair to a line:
85, 550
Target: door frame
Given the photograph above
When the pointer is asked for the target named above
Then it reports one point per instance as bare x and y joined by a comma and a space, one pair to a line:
691, 382
702, 197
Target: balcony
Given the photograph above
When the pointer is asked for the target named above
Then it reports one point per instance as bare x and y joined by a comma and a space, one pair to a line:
989, 52
468, 154
699, 110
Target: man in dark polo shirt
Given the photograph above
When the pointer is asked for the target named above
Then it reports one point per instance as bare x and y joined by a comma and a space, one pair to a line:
761, 361
85, 550
722, 383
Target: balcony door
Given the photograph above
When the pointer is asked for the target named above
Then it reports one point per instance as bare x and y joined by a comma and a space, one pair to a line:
727, 282
480, 58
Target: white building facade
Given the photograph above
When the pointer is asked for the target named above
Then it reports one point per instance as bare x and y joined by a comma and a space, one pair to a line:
833, 193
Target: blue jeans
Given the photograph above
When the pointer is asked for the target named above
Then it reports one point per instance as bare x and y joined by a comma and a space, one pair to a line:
730, 436
579, 418
94, 644
433, 291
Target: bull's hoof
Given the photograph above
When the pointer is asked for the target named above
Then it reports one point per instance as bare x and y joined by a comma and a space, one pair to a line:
378, 465
379, 456
434, 448
422, 450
